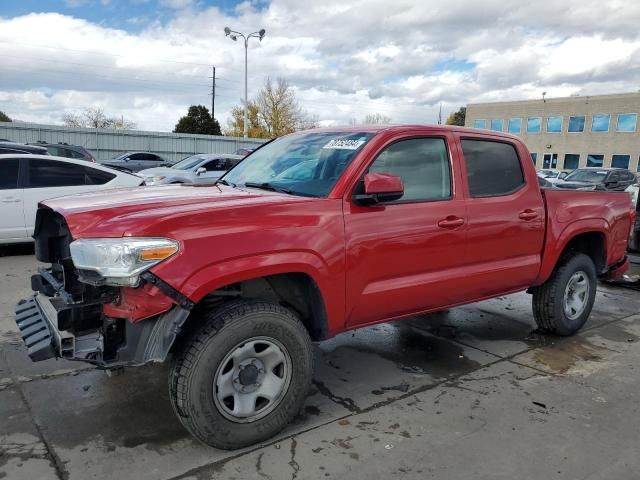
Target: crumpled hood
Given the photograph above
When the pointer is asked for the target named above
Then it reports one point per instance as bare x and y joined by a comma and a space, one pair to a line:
143, 210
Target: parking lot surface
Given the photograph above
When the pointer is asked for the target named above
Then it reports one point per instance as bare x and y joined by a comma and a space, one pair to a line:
470, 393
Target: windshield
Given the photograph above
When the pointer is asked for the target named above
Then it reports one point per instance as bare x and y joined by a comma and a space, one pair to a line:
189, 162
587, 176
304, 164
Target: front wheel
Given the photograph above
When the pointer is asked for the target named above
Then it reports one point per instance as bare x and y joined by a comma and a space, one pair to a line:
243, 375
563, 303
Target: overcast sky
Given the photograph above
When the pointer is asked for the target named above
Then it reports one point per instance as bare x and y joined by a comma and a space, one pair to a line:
150, 59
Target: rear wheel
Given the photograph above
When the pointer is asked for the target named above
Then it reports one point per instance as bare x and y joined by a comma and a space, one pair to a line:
563, 303
243, 375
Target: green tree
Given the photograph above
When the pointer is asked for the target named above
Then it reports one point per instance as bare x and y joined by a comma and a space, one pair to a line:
457, 118
4, 117
198, 120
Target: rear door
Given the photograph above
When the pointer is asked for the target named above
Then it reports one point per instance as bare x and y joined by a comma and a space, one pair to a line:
47, 179
12, 226
402, 256
505, 215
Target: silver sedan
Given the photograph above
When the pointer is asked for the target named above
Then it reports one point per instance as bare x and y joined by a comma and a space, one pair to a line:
199, 168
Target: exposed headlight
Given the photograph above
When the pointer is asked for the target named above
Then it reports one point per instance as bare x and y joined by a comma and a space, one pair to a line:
121, 260
159, 178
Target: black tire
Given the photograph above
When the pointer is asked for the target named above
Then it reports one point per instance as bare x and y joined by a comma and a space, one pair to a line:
548, 299
199, 357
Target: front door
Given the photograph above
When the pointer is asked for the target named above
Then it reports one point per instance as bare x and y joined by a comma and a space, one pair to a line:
506, 218
400, 255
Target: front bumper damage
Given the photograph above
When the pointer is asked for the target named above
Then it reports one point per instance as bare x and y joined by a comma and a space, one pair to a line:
115, 343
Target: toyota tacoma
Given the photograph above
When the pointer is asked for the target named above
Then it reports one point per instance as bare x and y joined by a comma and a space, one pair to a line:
313, 234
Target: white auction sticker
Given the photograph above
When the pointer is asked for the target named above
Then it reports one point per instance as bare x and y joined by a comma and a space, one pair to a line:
344, 144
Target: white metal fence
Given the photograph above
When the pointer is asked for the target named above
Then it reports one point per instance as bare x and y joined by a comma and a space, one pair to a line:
105, 143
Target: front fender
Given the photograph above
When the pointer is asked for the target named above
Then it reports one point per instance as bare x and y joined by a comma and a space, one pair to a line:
215, 276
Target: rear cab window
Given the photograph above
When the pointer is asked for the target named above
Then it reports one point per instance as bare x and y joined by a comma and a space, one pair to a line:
493, 167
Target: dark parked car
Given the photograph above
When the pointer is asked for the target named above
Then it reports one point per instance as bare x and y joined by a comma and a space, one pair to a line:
593, 178
67, 151
13, 147
136, 161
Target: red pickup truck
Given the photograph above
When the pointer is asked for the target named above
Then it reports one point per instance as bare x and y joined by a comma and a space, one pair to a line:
312, 234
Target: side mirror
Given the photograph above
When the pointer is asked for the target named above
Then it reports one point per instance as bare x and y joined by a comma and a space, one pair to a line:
201, 170
380, 187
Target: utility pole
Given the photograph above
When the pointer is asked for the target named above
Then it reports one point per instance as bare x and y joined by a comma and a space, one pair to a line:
213, 91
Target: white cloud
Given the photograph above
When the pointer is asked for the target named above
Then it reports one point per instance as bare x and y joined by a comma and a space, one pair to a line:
345, 59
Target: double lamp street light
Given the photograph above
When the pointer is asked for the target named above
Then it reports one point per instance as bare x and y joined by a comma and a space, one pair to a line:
234, 36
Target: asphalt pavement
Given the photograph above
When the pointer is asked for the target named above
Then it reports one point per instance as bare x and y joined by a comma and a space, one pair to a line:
473, 393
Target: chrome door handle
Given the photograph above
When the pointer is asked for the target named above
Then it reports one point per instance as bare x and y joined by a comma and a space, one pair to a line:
11, 201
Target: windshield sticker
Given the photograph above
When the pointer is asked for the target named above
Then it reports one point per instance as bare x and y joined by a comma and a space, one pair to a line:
344, 144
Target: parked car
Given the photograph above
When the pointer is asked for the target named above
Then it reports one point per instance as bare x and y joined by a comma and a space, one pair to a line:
14, 147
634, 241
29, 179
593, 178
136, 161
67, 151
201, 168
237, 279
244, 151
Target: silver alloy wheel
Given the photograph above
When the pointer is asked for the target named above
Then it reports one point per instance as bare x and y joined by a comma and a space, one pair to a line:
252, 379
576, 295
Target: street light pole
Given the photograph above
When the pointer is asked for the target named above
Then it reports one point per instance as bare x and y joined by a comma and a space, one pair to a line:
234, 36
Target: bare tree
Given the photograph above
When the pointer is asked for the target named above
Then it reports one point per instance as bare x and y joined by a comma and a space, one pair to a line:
95, 118
376, 119
278, 108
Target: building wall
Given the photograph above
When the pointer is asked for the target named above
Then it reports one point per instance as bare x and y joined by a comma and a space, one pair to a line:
585, 143
105, 143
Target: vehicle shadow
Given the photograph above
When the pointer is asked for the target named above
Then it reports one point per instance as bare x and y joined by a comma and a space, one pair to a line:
17, 249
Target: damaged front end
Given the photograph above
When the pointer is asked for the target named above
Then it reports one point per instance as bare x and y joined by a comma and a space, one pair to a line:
90, 307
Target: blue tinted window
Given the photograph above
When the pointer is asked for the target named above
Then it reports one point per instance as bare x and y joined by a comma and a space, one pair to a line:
534, 124
620, 161
554, 124
576, 124
600, 123
480, 124
515, 125
595, 160
627, 122
571, 161
534, 158
496, 124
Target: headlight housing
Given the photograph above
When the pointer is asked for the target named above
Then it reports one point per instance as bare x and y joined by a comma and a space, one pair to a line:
120, 261
158, 178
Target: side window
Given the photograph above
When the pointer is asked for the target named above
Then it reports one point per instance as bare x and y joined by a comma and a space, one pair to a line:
136, 156
9, 177
74, 154
49, 173
97, 177
493, 168
423, 165
154, 158
216, 165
